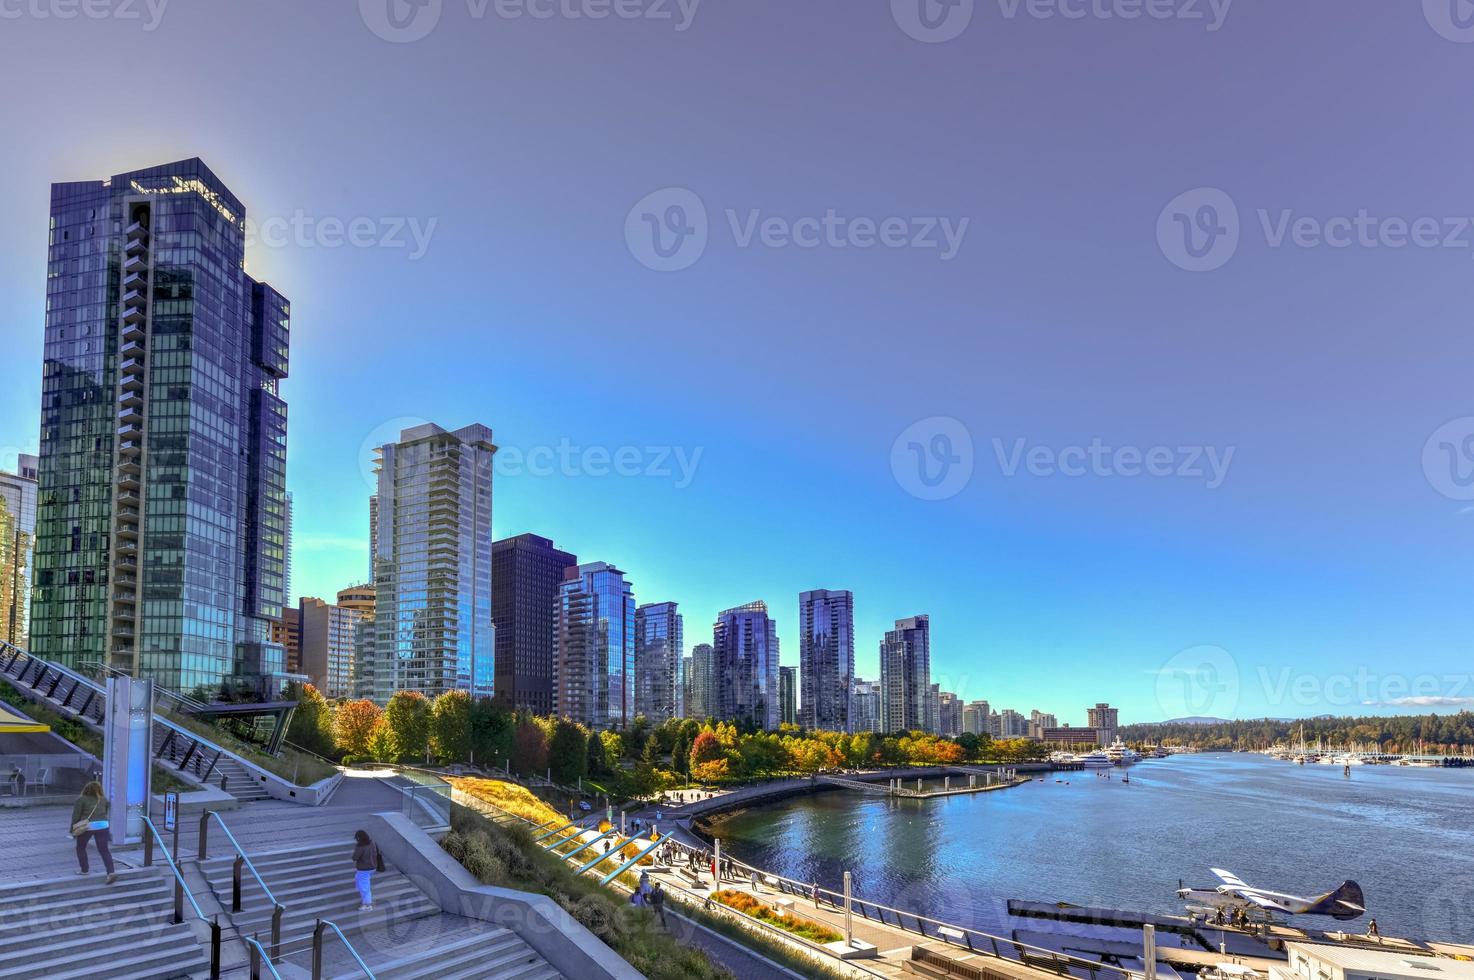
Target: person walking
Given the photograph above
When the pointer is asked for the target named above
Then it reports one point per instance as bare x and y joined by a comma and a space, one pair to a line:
90, 823
366, 861
657, 899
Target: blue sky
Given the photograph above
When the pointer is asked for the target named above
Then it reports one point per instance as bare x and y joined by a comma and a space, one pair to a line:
493, 171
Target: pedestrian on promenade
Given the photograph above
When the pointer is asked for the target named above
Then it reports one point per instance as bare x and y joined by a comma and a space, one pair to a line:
90, 823
657, 899
755, 889
366, 861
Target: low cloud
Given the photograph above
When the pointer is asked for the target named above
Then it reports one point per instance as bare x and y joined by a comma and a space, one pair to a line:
1423, 702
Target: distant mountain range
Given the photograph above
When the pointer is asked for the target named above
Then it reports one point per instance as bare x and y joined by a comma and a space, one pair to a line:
1190, 720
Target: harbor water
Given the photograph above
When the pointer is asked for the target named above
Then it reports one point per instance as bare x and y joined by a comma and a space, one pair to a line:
1406, 835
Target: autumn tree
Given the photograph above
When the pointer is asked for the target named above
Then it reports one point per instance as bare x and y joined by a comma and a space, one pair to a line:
353, 726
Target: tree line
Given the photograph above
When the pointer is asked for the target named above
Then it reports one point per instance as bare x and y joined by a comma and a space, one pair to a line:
635, 761
1391, 734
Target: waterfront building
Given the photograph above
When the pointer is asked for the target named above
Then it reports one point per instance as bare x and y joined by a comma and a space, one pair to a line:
1105, 720
976, 716
949, 714
826, 659
658, 646
701, 699
17, 538
787, 696
327, 637
433, 629
745, 651
1012, 724
1328, 961
160, 530
1039, 721
933, 723
526, 573
594, 651
1065, 735
866, 703
905, 675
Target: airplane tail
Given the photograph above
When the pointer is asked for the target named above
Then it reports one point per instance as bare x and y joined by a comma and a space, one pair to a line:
1345, 903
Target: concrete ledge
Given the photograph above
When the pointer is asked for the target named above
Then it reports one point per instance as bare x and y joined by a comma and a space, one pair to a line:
197, 801
541, 923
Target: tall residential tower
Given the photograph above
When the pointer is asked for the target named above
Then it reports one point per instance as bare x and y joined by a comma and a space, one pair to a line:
826, 660
658, 646
905, 675
526, 573
745, 653
594, 659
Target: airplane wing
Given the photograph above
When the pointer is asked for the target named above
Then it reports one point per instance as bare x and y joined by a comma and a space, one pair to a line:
1249, 895
1235, 885
1229, 878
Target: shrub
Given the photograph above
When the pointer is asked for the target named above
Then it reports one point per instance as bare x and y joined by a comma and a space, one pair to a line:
814, 932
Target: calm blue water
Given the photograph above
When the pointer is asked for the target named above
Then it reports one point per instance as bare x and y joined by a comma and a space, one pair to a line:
1407, 835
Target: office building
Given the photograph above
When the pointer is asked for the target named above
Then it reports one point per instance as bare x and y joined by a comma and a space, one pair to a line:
526, 573
594, 655
787, 696
17, 538
905, 675
1012, 724
949, 714
976, 716
160, 537
745, 648
701, 693
286, 632
867, 713
433, 629
327, 654
826, 659
1039, 721
1065, 735
658, 646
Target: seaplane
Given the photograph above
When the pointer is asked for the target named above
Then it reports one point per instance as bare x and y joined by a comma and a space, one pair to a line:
1344, 903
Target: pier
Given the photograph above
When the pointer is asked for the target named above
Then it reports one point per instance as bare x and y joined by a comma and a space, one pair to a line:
898, 787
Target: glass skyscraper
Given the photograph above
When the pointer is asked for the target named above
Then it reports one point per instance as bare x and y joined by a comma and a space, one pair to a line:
594, 671
701, 692
658, 648
527, 572
905, 675
745, 650
161, 517
17, 534
432, 548
826, 659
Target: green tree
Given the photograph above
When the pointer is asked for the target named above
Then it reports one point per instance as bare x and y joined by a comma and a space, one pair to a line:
312, 720
598, 764
381, 744
568, 751
529, 747
409, 719
613, 748
491, 733
450, 726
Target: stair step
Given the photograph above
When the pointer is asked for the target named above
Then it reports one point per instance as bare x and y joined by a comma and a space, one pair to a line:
87, 958
481, 957
20, 890
64, 939
285, 879
59, 902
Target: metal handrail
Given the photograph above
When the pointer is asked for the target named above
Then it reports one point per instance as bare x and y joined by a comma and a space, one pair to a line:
178, 876
317, 950
182, 891
204, 845
258, 955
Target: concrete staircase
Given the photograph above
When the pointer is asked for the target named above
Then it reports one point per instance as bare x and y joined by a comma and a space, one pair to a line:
79, 927
240, 782
495, 955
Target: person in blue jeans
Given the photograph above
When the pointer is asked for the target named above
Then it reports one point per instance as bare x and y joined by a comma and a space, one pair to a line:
90, 824
365, 862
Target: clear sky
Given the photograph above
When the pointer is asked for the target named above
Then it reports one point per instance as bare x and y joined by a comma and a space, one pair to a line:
1037, 291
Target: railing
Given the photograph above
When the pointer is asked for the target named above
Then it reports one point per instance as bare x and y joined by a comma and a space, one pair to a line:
258, 956
242, 861
181, 892
317, 934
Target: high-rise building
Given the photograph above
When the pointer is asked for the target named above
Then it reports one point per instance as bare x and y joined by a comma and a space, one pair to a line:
826, 659
702, 698
787, 696
745, 645
867, 711
328, 633
433, 628
932, 711
161, 518
1105, 720
594, 657
17, 537
527, 572
658, 646
976, 716
286, 632
684, 710
1011, 724
287, 594
1039, 721
949, 714
905, 675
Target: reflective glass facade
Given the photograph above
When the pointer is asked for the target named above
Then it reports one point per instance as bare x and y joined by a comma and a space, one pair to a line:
658, 645
161, 518
527, 572
826, 659
433, 629
17, 534
595, 653
905, 675
745, 655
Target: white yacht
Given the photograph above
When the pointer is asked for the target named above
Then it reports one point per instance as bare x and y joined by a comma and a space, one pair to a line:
1095, 760
1121, 754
